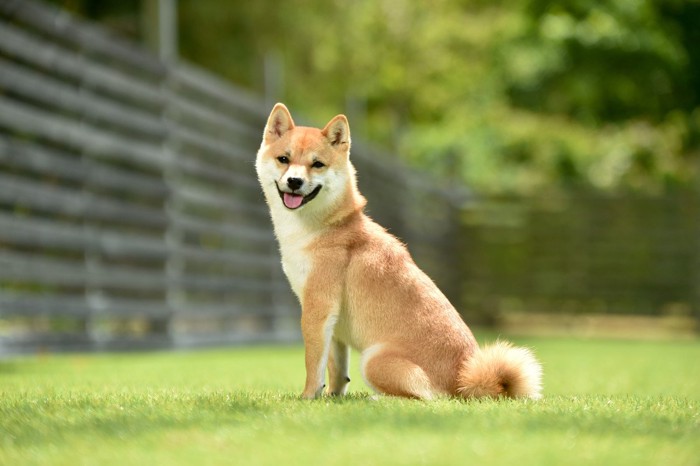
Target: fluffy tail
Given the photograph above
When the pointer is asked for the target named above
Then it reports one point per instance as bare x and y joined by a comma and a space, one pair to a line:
501, 369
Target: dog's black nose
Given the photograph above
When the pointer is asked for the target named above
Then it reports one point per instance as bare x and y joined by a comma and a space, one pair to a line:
294, 183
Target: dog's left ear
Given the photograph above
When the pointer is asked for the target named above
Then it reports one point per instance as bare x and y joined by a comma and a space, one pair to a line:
337, 131
278, 123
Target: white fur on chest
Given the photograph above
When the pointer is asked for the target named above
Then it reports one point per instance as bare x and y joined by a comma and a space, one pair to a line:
294, 240
296, 264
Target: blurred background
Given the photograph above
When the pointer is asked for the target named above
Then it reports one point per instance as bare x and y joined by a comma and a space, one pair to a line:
540, 159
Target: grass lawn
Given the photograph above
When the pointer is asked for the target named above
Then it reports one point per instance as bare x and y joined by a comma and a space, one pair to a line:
605, 403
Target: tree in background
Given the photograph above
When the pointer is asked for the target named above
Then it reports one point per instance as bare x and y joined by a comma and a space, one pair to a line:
509, 97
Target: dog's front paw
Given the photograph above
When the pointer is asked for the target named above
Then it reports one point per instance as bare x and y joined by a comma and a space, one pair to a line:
312, 394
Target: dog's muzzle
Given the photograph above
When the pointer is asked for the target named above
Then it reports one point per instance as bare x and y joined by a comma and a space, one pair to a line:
293, 200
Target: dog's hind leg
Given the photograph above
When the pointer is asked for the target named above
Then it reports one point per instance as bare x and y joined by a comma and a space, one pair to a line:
338, 372
392, 374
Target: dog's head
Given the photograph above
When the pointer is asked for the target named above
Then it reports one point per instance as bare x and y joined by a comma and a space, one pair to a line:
301, 168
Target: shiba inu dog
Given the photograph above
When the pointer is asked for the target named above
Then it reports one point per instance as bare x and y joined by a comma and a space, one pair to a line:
358, 286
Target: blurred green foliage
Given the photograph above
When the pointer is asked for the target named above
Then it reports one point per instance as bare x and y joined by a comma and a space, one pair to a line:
510, 97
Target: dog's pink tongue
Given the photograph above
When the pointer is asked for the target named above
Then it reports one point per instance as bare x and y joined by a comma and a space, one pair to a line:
292, 201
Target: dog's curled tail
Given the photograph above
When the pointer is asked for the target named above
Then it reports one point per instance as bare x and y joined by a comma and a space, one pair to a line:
500, 369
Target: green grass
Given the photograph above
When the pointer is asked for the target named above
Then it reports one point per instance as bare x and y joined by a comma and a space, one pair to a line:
605, 403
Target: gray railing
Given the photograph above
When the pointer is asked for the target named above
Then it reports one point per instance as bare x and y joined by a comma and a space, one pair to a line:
130, 214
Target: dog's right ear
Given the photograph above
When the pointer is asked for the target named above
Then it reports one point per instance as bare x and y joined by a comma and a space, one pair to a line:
278, 123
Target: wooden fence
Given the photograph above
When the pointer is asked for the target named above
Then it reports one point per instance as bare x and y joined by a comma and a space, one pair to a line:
130, 213
583, 253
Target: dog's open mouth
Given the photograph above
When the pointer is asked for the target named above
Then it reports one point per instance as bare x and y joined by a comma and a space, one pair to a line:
294, 201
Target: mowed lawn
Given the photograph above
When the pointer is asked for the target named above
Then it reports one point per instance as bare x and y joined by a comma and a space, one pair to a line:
605, 403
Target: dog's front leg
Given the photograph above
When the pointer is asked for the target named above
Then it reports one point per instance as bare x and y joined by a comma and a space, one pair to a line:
317, 330
320, 308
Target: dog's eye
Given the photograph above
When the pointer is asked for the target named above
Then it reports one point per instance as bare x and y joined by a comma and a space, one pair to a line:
283, 159
318, 164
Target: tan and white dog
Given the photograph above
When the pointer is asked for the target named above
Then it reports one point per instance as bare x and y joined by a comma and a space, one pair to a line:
359, 287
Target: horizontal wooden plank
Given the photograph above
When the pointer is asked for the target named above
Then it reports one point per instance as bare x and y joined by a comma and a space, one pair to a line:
184, 107
79, 100
42, 233
188, 165
57, 60
245, 232
62, 306
30, 120
83, 341
51, 234
55, 199
242, 103
197, 340
42, 160
41, 270
216, 147
113, 306
193, 311
94, 39
27, 268
241, 261
208, 198
12, 304
49, 341
29, 305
